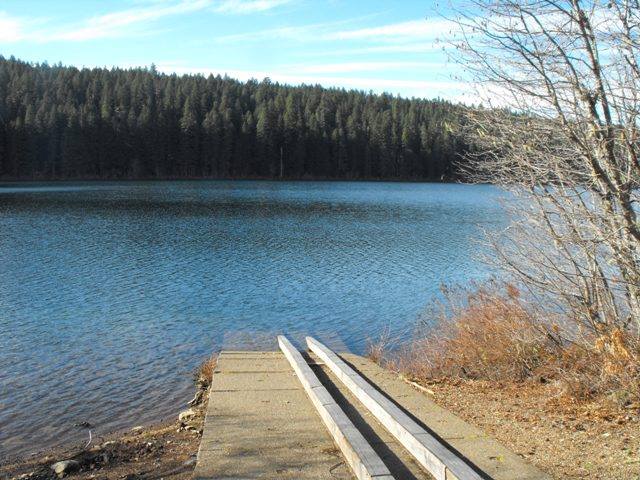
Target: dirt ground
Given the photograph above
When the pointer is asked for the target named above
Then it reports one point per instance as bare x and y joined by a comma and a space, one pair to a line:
162, 451
568, 441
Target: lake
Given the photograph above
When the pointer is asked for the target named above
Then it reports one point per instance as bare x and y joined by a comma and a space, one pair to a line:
112, 293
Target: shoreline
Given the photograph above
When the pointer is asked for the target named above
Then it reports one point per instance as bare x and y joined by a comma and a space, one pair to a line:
447, 181
595, 443
160, 447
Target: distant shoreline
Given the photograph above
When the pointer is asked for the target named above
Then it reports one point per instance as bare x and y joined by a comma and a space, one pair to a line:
233, 179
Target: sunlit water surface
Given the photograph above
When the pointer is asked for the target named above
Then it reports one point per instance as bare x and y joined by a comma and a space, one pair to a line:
112, 293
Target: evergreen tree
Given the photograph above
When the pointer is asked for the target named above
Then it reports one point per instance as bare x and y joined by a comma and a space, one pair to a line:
60, 122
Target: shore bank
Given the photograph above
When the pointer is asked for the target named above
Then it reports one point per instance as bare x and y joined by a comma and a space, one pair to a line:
568, 441
165, 450
162, 450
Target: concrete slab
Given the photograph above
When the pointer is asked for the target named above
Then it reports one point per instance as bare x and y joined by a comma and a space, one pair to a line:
362, 459
241, 381
261, 424
237, 363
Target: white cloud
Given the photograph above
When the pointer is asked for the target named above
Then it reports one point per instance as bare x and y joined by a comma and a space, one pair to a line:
403, 48
248, 6
301, 33
430, 28
347, 67
291, 33
427, 47
122, 23
11, 28
119, 23
293, 76
413, 36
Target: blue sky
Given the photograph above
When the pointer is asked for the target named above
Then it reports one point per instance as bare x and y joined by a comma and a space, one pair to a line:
368, 44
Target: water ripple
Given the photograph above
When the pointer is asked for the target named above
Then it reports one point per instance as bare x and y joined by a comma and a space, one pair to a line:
111, 294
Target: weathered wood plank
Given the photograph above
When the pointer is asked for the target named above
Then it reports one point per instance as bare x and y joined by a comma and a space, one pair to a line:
434, 456
363, 460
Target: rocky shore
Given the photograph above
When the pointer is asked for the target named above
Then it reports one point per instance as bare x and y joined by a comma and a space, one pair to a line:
163, 450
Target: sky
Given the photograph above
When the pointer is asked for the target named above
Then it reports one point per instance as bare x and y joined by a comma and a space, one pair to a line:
392, 46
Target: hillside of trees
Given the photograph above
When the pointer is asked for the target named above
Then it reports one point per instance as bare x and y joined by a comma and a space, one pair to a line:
60, 122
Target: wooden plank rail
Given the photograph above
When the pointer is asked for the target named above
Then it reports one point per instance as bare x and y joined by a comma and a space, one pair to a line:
433, 455
363, 460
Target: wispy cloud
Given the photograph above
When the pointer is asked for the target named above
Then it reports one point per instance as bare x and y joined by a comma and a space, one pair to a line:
312, 32
430, 28
122, 23
119, 23
11, 28
294, 76
413, 36
300, 33
248, 6
420, 47
347, 67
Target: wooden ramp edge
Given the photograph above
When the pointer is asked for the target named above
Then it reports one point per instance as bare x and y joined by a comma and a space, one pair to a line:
360, 456
432, 454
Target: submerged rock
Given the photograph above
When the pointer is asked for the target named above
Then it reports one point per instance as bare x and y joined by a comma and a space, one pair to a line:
197, 399
187, 415
64, 467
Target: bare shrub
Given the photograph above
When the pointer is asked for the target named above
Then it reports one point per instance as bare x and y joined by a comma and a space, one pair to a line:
566, 145
202, 378
204, 373
610, 371
483, 333
377, 349
491, 332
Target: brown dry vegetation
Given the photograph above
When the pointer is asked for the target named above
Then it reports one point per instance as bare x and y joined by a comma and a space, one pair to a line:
571, 405
492, 333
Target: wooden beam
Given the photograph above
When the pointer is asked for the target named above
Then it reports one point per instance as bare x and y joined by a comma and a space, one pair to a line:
363, 460
433, 455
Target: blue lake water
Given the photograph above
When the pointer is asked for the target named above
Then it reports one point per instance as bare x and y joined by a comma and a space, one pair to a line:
112, 293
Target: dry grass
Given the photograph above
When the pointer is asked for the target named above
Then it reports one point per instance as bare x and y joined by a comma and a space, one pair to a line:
491, 333
204, 373
202, 378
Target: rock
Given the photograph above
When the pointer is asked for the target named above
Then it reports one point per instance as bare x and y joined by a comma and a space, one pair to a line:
187, 414
64, 467
137, 429
197, 399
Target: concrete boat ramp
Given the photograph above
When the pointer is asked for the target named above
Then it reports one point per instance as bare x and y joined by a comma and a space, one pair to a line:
319, 415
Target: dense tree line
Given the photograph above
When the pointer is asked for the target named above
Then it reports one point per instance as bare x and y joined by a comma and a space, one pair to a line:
64, 122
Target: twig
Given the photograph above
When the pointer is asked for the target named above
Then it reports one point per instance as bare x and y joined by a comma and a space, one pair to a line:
417, 386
